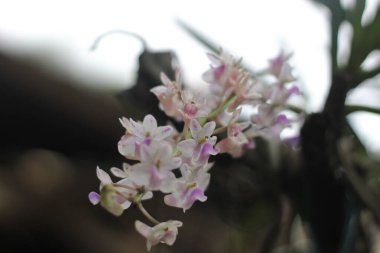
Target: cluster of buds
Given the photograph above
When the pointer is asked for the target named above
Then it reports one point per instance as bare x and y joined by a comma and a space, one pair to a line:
176, 162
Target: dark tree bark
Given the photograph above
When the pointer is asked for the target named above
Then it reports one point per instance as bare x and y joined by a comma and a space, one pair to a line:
324, 198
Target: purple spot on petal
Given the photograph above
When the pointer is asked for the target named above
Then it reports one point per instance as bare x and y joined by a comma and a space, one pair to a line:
294, 91
282, 119
147, 141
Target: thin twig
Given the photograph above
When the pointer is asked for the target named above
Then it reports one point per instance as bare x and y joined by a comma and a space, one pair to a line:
361, 108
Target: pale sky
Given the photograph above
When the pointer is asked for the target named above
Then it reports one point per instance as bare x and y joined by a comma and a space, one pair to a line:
61, 32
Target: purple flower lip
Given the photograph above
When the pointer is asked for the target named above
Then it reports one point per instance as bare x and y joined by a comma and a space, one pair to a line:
197, 194
294, 91
94, 198
282, 119
208, 149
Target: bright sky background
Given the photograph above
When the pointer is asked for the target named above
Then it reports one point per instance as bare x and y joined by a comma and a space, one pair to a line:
60, 34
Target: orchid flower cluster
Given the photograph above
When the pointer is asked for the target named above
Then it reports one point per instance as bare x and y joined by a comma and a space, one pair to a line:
177, 163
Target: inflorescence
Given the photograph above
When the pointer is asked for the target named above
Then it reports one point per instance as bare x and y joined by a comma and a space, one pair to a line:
175, 162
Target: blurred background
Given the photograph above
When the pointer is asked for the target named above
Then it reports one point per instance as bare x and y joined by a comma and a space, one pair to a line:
60, 103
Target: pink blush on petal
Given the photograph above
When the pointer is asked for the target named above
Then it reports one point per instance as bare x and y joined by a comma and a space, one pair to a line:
219, 71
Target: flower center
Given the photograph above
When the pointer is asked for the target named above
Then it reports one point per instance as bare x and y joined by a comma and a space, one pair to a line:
191, 185
191, 109
158, 164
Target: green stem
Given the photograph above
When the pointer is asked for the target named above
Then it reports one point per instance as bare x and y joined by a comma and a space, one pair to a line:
220, 130
146, 214
185, 131
221, 108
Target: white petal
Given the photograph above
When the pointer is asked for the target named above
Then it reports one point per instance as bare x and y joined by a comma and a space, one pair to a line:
125, 123
164, 151
147, 195
171, 200
167, 184
150, 124
214, 58
126, 204
103, 176
146, 152
236, 114
163, 132
143, 229
165, 79
187, 146
159, 90
176, 162
208, 129
127, 146
178, 77
208, 76
137, 129
212, 140
203, 180
139, 174
195, 127
118, 172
